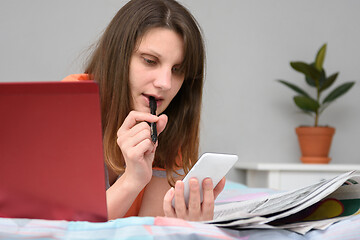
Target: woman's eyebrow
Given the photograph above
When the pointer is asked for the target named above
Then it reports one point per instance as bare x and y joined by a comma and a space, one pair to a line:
150, 52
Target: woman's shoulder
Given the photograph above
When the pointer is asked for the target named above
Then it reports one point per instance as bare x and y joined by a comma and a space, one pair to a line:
77, 77
161, 172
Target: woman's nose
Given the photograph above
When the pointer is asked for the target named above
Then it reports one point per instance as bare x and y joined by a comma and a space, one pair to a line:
163, 79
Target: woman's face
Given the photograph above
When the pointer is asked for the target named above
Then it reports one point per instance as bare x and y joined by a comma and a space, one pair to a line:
154, 69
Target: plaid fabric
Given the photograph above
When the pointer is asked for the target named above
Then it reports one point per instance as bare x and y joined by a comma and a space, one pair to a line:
167, 228
159, 228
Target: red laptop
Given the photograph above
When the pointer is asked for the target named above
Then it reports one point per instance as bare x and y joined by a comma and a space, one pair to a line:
51, 155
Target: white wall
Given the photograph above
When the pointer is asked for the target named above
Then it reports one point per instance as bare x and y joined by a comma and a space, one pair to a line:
249, 46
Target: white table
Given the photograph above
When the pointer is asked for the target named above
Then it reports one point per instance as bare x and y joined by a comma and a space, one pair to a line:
287, 176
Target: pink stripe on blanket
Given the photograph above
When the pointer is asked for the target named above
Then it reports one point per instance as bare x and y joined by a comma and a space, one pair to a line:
165, 221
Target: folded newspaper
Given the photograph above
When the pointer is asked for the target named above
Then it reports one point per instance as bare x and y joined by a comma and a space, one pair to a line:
313, 207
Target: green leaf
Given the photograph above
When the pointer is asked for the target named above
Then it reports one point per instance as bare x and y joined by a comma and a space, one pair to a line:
323, 107
319, 60
306, 103
339, 91
322, 78
329, 81
312, 82
294, 87
307, 69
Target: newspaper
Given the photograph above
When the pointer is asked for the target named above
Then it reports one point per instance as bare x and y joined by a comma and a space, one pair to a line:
313, 207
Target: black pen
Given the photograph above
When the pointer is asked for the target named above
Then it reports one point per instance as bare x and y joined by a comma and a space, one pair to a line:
153, 131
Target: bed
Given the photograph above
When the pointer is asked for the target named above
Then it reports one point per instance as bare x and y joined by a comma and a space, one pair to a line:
168, 228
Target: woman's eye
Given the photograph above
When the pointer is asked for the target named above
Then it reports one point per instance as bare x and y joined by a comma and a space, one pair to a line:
176, 70
149, 61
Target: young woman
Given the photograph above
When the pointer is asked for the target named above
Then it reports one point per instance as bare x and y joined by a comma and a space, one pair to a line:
151, 48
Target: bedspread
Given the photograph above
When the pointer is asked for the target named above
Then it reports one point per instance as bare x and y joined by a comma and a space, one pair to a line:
167, 228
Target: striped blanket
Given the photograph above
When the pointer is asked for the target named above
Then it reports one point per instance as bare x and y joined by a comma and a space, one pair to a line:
167, 228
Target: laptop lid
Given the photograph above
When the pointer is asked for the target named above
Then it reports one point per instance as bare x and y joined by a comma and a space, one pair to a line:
51, 155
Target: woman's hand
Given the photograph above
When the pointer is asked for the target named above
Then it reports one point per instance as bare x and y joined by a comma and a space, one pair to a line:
196, 211
136, 146
138, 150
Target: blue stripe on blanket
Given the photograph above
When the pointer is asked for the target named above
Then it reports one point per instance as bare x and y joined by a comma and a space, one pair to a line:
124, 228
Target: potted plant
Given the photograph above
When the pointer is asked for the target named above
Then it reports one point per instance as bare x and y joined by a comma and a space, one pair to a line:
315, 141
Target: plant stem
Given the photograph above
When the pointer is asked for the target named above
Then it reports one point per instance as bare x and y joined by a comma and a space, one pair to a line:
318, 100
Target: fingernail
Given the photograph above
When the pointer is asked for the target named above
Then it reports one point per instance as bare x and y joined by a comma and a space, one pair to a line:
193, 183
208, 183
178, 184
170, 191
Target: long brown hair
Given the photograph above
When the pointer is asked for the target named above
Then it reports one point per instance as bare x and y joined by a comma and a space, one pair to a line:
109, 66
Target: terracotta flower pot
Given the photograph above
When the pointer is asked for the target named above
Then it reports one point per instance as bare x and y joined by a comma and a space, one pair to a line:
315, 143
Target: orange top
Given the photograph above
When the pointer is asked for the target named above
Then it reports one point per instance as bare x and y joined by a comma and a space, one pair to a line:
77, 77
135, 207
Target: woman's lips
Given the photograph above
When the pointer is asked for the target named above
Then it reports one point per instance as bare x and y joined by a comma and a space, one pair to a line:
158, 99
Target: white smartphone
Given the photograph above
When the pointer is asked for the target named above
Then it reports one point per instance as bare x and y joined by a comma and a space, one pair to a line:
212, 165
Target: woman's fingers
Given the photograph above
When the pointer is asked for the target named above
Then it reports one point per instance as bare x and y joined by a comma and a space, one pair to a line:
180, 206
161, 123
134, 118
142, 148
134, 129
195, 210
133, 138
194, 206
167, 204
208, 201
136, 135
137, 122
